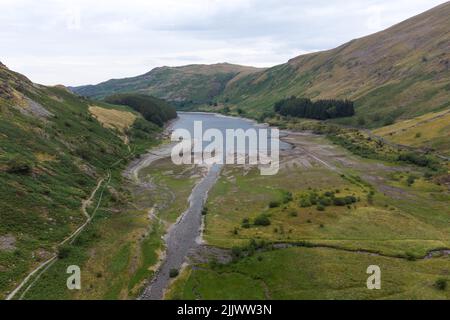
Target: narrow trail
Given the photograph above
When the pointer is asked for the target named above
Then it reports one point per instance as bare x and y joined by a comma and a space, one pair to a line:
44, 266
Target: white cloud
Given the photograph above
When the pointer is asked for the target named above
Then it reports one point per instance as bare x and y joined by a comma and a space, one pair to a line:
84, 41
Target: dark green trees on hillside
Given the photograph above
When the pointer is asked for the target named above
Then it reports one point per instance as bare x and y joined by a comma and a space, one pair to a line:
320, 109
152, 109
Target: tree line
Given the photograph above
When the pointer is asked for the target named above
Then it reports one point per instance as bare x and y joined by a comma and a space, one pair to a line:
152, 109
320, 109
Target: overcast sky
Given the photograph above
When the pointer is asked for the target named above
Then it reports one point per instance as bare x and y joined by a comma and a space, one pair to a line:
88, 41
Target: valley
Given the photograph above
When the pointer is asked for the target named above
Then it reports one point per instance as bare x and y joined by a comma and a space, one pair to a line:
87, 178
319, 251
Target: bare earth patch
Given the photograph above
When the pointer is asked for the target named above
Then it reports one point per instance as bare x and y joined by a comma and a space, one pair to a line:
113, 119
31, 108
7, 243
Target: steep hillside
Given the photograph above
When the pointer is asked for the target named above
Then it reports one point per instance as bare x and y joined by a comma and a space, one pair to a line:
401, 72
193, 84
54, 148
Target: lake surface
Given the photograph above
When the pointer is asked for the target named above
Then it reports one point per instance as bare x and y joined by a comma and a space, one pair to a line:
222, 123
184, 235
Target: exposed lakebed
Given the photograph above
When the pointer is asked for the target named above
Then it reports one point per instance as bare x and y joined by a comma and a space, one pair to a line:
185, 235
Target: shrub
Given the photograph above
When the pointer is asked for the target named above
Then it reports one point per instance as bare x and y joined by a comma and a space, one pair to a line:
441, 284
339, 202
245, 223
204, 211
305, 203
64, 252
274, 204
174, 273
19, 165
325, 202
411, 179
419, 160
236, 252
320, 207
262, 220
287, 197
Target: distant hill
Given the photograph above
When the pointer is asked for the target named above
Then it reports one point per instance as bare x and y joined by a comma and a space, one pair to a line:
188, 85
401, 72
54, 146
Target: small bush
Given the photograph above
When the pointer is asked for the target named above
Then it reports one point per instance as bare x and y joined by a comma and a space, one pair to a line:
19, 165
411, 180
174, 273
245, 223
287, 197
320, 207
262, 220
236, 252
64, 252
325, 202
441, 284
274, 204
340, 202
305, 203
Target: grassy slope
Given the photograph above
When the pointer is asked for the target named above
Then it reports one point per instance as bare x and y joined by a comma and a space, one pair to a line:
400, 72
120, 251
431, 131
68, 152
192, 84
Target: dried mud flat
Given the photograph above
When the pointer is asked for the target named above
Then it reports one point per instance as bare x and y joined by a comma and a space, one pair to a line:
311, 150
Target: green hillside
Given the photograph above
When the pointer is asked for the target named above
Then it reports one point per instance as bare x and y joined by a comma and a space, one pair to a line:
401, 72
187, 85
53, 152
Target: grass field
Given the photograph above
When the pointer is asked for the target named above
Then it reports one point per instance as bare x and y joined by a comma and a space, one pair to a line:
312, 273
397, 219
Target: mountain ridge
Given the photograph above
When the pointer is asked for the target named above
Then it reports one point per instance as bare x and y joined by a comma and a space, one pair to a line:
398, 73
412, 56
193, 84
